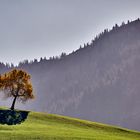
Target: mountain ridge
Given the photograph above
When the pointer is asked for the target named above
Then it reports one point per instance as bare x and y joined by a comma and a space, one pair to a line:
98, 82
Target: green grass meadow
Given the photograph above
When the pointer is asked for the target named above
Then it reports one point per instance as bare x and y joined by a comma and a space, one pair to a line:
43, 126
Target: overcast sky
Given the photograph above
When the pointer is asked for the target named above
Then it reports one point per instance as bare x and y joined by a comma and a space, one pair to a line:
37, 28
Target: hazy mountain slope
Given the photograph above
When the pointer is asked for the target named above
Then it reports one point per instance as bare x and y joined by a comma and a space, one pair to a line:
100, 82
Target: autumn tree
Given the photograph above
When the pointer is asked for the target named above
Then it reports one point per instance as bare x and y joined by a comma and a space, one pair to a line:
16, 84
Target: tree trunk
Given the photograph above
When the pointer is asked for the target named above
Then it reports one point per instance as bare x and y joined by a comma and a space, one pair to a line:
13, 104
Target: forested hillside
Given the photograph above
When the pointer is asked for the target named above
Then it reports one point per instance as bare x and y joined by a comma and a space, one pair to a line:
100, 81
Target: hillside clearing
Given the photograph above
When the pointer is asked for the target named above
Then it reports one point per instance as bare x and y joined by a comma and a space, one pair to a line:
42, 126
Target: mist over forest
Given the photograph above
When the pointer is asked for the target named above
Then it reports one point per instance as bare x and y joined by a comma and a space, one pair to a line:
100, 81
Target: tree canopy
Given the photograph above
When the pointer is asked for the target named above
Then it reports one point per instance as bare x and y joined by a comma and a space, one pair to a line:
16, 84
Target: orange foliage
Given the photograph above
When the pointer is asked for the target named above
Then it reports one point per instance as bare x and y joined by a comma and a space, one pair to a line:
17, 84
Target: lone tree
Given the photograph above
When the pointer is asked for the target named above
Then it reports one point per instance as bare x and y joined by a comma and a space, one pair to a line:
16, 84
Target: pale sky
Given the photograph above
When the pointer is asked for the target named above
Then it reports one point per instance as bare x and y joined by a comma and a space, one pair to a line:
42, 28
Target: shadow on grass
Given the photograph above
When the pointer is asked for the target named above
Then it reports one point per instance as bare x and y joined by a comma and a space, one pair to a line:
13, 117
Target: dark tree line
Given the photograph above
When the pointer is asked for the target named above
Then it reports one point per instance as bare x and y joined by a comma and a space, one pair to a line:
63, 55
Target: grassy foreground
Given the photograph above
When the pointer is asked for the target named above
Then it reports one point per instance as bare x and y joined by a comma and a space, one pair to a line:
41, 126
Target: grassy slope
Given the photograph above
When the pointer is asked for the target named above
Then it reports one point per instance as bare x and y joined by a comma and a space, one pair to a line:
41, 126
